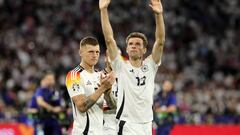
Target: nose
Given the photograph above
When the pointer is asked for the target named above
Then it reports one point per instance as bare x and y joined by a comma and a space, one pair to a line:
95, 54
133, 46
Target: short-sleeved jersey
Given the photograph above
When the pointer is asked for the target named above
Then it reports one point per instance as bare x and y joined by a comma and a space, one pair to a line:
109, 115
135, 89
79, 81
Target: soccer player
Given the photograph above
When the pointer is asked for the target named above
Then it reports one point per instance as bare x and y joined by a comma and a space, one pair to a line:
109, 114
87, 89
136, 76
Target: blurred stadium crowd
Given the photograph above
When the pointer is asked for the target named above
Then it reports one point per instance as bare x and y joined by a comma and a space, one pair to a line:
201, 54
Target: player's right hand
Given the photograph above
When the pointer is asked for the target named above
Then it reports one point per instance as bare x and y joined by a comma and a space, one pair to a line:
104, 3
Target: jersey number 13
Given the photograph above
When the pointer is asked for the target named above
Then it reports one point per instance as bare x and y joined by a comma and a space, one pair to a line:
141, 81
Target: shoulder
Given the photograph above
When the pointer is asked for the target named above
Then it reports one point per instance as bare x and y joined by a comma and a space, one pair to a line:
74, 76
74, 73
148, 59
120, 58
40, 91
172, 93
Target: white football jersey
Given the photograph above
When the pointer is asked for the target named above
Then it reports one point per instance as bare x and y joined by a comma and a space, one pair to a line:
135, 90
79, 81
109, 115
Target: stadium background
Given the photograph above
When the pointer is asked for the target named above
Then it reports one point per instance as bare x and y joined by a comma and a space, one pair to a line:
201, 54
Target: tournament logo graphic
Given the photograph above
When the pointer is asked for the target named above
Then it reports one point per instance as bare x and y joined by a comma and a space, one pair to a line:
76, 87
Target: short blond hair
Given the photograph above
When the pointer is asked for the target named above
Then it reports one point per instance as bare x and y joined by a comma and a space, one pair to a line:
138, 35
89, 40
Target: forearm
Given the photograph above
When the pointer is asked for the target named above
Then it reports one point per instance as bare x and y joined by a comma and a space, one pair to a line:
169, 109
106, 26
108, 34
157, 50
111, 102
160, 28
91, 100
44, 104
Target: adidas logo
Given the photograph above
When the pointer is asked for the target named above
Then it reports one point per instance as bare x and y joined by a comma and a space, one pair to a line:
89, 83
131, 71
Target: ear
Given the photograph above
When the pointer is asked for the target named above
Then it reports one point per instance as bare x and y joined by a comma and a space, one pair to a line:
80, 52
144, 50
127, 49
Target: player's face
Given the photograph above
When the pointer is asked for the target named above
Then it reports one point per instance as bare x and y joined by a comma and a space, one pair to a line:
90, 54
135, 48
167, 86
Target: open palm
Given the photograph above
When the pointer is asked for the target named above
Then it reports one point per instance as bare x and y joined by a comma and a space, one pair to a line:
104, 3
156, 6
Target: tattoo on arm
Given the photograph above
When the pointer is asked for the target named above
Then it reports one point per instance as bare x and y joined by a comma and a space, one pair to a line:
111, 102
89, 103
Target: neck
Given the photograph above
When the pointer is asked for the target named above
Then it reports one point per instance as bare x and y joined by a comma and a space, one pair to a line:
136, 62
87, 67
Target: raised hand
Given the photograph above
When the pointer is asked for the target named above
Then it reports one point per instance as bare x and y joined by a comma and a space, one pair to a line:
104, 3
156, 6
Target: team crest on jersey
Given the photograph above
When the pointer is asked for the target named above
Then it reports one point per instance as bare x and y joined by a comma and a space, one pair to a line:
144, 68
76, 87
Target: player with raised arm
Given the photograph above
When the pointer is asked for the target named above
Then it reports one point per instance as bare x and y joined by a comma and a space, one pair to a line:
88, 88
135, 76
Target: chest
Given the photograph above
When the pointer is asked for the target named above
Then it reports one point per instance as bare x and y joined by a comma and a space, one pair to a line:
137, 76
91, 82
165, 100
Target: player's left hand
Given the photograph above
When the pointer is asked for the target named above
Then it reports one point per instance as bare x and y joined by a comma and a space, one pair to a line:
107, 80
156, 6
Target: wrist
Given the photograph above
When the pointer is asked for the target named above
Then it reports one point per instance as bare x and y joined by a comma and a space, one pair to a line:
107, 91
103, 8
158, 13
101, 89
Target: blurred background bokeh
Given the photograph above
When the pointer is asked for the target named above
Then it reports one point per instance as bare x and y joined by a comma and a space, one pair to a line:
201, 53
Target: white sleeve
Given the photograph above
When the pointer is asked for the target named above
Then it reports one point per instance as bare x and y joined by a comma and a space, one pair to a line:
74, 83
117, 63
152, 63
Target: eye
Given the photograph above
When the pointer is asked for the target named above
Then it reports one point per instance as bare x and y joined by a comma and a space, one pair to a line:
138, 44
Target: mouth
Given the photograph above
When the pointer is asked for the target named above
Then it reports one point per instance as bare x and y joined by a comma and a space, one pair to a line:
94, 59
133, 51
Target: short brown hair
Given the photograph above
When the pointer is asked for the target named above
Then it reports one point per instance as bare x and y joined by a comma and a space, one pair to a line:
89, 40
138, 35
